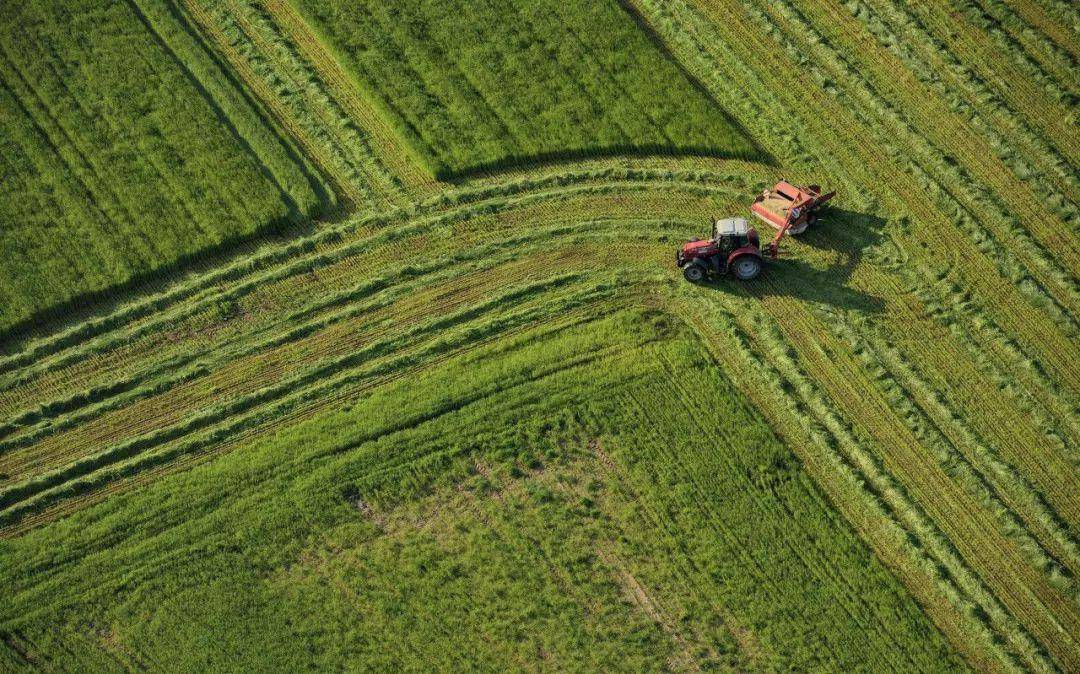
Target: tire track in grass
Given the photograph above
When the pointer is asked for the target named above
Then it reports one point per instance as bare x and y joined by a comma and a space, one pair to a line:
899, 533
1042, 608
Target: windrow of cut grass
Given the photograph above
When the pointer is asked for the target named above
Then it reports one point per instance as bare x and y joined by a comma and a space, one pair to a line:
1029, 230
928, 246
271, 65
481, 86
127, 150
343, 343
1049, 100
969, 95
99, 416
934, 241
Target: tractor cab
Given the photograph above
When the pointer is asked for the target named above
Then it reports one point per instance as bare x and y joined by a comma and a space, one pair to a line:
733, 233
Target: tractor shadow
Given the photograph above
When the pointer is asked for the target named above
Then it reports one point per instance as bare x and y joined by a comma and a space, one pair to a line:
840, 234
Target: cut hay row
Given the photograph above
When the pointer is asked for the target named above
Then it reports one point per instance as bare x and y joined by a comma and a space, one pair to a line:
1051, 19
1030, 261
291, 412
253, 33
1008, 132
398, 156
40, 351
774, 69
957, 486
220, 421
978, 467
937, 233
393, 234
1039, 606
995, 291
1040, 38
355, 329
329, 246
291, 113
988, 46
520, 409
135, 389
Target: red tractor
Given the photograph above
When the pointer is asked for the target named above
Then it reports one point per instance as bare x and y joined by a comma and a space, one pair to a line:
735, 247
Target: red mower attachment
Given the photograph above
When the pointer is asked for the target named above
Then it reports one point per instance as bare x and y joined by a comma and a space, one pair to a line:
790, 208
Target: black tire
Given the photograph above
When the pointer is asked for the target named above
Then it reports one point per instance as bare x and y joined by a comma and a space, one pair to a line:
746, 267
693, 273
811, 220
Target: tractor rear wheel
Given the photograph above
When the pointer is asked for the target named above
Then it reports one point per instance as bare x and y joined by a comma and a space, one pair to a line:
746, 267
693, 272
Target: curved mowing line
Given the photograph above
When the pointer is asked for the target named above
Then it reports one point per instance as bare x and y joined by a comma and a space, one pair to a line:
95, 471
362, 297
551, 186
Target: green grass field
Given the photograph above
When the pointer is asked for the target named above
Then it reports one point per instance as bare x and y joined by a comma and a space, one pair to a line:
489, 85
477, 420
127, 148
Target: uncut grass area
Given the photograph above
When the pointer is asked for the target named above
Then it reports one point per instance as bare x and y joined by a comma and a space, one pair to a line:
476, 86
511, 511
126, 148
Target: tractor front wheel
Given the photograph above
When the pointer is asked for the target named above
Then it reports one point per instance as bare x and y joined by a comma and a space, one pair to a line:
693, 272
746, 267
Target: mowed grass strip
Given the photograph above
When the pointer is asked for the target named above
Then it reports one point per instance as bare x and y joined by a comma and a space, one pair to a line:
126, 149
475, 86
